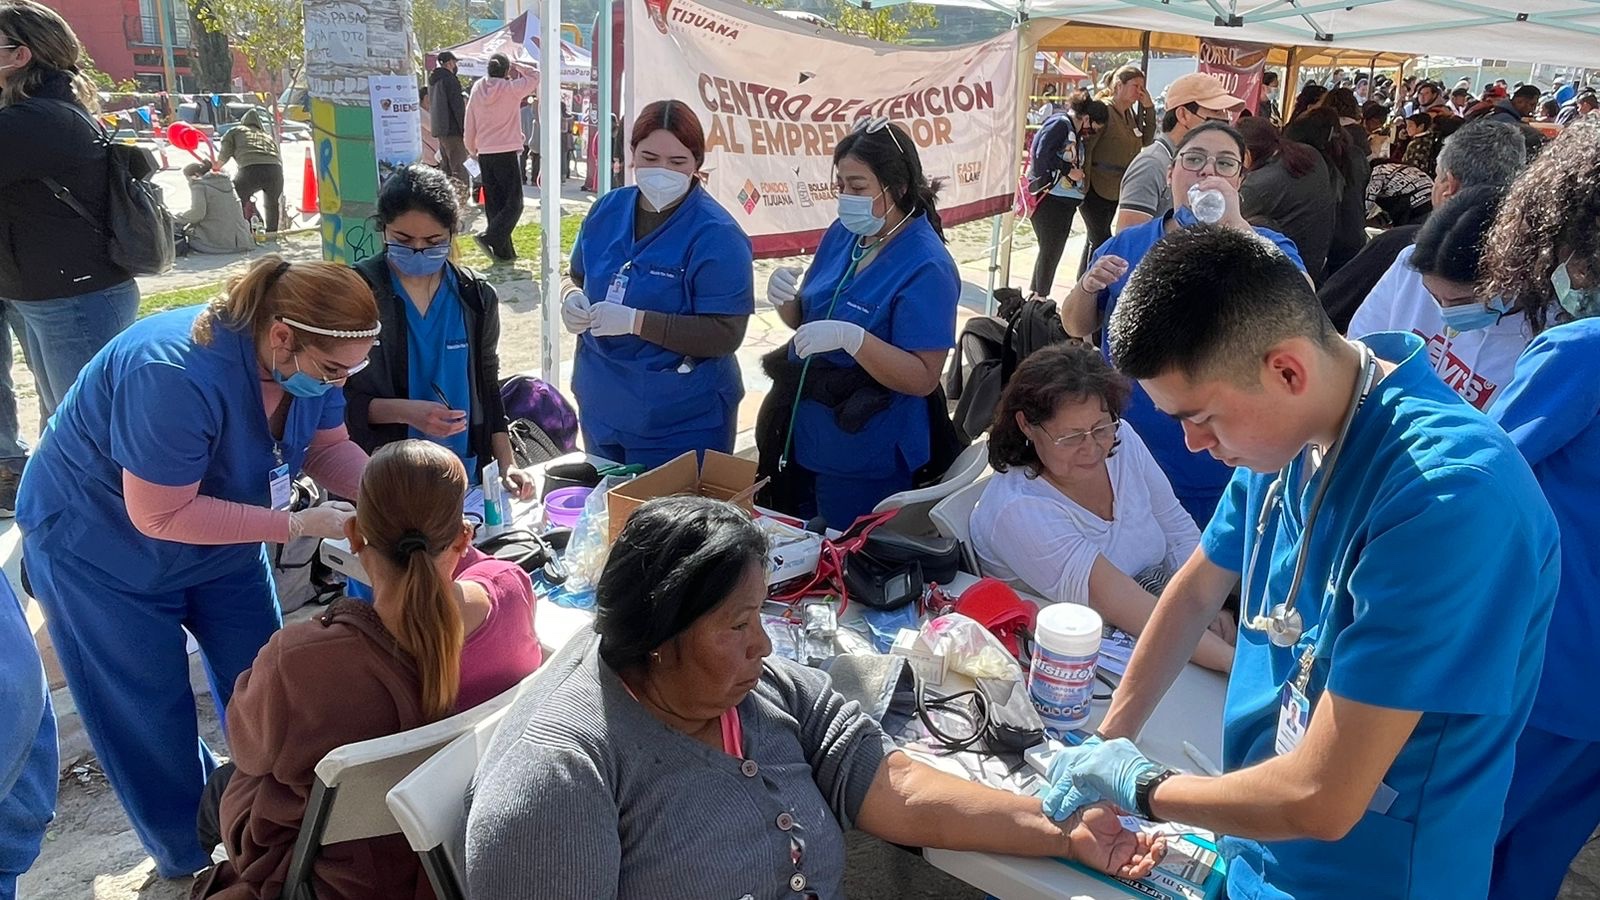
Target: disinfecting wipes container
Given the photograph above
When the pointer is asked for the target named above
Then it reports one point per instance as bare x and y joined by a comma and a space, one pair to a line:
1066, 643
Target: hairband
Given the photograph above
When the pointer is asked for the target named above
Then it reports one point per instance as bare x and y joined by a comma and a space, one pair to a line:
332, 332
411, 541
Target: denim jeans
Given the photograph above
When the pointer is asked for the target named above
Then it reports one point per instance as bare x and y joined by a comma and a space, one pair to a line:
13, 449
63, 334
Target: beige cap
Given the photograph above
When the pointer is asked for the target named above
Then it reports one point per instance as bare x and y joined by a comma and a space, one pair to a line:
1201, 88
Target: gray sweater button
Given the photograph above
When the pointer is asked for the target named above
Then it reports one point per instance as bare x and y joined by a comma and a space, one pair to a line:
785, 822
748, 768
798, 882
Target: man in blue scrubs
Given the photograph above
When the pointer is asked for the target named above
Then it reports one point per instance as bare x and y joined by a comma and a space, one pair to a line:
1368, 741
27, 745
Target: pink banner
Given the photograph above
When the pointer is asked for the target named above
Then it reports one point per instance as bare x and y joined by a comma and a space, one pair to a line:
1238, 65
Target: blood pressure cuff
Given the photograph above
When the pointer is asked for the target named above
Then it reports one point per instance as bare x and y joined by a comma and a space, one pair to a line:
881, 683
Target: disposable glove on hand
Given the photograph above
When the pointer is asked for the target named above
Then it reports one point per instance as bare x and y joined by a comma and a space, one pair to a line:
784, 286
1095, 772
575, 312
828, 335
607, 319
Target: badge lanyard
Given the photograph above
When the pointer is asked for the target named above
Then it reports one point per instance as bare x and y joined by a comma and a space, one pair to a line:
278, 480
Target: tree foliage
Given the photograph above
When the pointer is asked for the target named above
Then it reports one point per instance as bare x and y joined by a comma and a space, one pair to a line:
213, 57
269, 33
891, 24
440, 23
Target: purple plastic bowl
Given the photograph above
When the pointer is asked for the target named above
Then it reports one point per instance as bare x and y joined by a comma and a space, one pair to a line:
563, 506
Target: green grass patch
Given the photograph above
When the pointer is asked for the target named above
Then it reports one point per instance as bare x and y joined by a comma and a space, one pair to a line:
161, 301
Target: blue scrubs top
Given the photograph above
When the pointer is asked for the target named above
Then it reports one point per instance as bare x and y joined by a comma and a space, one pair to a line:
172, 412
1197, 478
1551, 409
1429, 585
437, 359
907, 297
698, 262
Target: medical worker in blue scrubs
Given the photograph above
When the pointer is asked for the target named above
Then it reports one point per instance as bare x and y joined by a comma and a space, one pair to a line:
1211, 157
662, 289
1376, 697
28, 760
880, 298
1551, 409
145, 508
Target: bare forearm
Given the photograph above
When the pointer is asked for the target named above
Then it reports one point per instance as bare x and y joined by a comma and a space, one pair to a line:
898, 370
500, 443
1080, 313
1123, 603
1128, 218
388, 411
915, 804
790, 314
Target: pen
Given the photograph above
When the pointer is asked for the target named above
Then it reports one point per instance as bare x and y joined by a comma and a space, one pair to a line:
439, 392
1201, 760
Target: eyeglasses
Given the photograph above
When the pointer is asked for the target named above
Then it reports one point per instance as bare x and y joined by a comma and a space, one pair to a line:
10, 46
875, 124
1225, 165
338, 376
1102, 434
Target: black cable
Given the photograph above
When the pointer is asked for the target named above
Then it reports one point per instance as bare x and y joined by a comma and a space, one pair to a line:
978, 716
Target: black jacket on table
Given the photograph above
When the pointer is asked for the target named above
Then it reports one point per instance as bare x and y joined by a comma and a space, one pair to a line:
387, 377
46, 249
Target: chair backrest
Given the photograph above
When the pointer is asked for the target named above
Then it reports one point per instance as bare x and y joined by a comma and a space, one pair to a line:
430, 805
952, 516
914, 505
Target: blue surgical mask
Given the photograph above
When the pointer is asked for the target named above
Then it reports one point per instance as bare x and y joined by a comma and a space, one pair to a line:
855, 213
1580, 303
300, 384
1470, 316
414, 263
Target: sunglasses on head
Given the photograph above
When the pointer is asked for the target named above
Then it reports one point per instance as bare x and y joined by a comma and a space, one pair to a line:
875, 124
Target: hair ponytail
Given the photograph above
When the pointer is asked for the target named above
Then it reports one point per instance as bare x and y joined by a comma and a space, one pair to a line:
322, 294
430, 630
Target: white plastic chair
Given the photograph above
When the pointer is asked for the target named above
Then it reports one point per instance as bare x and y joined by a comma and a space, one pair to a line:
430, 805
914, 505
347, 798
952, 516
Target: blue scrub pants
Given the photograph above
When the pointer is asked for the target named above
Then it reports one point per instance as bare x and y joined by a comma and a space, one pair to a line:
29, 806
1551, 809
124, 655
841, 500
720, 438
28, 757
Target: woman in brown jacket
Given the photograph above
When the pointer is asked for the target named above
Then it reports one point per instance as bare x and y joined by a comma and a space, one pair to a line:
1126, 133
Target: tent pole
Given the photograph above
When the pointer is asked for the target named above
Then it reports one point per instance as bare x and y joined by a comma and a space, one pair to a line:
604, 50
1144, 52
1004, 231
1291, 82
550, 190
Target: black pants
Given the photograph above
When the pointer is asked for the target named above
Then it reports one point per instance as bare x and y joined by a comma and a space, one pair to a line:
208, 820
264, 177
1052, 222
1098, 214
530, 165
502, 200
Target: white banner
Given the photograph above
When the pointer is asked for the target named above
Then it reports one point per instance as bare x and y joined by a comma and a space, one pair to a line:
396, 119
776, 96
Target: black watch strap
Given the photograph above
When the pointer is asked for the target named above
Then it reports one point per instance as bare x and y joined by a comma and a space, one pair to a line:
1145, 786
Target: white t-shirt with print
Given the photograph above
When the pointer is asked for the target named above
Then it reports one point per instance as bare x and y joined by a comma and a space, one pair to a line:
1026, 532
1476, 364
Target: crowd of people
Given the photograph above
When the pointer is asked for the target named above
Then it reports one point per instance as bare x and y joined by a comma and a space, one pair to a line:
1253, 376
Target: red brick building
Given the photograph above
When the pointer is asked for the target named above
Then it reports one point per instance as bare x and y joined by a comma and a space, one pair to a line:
123, 38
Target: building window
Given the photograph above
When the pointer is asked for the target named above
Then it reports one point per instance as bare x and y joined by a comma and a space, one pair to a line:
177, 17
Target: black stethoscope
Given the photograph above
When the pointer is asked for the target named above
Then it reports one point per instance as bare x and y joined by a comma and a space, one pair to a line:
1282, 623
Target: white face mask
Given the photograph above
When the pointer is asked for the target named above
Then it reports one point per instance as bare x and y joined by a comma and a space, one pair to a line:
661, 187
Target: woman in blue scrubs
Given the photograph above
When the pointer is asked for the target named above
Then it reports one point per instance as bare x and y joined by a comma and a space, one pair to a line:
662, 289
1551, 409
436, 374
145, 508
879, 299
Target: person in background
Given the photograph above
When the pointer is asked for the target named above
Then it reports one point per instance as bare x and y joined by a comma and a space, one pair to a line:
1192, 100
1375, 121
1551, 409
1430, 95
876, 313
1565, 90
1398, 194
146, 505
1309, 98
569, 140
214, 221
1350, 220
1549, 111
430, 644
493, 134
1268, 107
254, 150
1519, 107
1287, 189
437, 373
1422, 144
430, 144
1460, 101
660, 292
447, 112
1063, 177
1078, 511
28, 756
528, 164
1369, 737
665, 753
62, 294
1480, 153
1585, 105
1130, 128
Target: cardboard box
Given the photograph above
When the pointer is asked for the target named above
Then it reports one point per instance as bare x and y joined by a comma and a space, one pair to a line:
721, 477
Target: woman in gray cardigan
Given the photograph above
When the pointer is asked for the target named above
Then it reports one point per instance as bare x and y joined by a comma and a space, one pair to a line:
664, 756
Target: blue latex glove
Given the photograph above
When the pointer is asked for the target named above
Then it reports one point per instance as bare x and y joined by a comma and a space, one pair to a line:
1095, 772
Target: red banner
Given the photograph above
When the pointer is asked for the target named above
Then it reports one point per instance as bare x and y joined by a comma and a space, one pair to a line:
1238, 65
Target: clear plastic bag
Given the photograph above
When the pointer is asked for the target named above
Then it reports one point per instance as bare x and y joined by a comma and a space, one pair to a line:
590, 544
970, 648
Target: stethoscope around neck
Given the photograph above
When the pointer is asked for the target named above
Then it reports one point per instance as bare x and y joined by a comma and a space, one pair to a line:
1282, 622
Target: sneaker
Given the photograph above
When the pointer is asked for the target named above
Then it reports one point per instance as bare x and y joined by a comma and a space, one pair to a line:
483, 244
8, 493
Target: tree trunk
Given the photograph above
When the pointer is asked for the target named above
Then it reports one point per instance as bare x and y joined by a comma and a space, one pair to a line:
212, 61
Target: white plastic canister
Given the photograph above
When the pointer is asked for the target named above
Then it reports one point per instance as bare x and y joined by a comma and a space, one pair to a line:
1066, 646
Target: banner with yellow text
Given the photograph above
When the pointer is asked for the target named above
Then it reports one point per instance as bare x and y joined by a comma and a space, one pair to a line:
776, 95
1239, 65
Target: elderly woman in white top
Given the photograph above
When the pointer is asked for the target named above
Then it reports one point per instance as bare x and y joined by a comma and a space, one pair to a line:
1078, 511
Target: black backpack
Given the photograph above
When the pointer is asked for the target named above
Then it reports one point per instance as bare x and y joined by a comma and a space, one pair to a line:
989, 351
142, 239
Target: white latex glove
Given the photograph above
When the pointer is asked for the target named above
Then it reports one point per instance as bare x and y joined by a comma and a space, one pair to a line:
607, 319
784, 286
828, 335
325, 521
575, 312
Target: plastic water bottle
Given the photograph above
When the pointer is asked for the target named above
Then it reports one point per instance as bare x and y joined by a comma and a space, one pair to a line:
1208, 205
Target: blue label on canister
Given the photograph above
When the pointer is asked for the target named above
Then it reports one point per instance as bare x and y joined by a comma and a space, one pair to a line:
1062, 688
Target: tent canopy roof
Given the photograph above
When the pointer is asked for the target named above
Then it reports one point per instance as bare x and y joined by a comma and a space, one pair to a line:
1058, 35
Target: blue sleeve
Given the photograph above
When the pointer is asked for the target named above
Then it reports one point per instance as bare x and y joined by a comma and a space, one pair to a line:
1554, 394
22, 688
332, 410
722, 274
1223, 539
162, 425
924, 314
576, 269
1433, 630
1286, 245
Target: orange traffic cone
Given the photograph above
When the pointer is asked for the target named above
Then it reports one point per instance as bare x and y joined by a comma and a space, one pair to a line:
481, 201
308, 188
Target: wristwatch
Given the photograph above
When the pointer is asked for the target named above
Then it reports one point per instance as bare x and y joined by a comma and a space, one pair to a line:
1144, 786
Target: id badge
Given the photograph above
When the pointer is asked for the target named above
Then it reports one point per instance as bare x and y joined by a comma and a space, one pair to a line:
1294, 713
618, 288
278, 479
